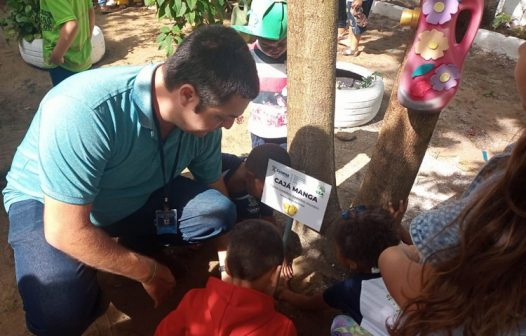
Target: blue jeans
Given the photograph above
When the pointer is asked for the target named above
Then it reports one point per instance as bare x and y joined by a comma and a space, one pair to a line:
61, 296
342, 14
366, 6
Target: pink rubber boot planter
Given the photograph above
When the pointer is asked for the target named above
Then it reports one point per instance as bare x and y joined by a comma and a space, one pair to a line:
431, 76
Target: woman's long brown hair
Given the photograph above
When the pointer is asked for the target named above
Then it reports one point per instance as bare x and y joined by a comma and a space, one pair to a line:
481, 289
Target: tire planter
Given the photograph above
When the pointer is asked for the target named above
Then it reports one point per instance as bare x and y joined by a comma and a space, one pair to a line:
355, 107
32, 52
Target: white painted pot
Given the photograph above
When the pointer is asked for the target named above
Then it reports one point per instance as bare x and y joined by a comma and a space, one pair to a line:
32, 52
355, 107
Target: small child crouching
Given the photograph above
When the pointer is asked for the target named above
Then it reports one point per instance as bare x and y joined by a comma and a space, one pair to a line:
243, 305
360, 236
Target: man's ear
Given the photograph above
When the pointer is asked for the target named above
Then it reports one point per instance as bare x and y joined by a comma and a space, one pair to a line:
187, 95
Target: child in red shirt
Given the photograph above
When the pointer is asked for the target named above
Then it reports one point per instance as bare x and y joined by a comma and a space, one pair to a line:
243, 306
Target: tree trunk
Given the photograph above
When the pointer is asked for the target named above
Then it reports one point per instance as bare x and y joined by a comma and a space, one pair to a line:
311, 89
398, 154
311, 97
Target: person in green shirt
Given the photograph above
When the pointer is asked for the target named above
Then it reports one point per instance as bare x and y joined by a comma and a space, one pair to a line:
66, 31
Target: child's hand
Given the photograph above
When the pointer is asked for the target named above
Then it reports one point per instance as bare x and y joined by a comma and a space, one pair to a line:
398, 214
283, 293
286, 269
56, 58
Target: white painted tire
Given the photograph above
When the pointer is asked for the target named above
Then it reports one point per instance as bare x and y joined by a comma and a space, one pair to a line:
355, 107
32, 52
98, 46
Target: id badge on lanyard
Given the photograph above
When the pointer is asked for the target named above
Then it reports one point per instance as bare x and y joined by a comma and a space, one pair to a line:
165, 220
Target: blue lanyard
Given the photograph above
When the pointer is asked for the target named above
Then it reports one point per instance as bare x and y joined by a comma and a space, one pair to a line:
167, 184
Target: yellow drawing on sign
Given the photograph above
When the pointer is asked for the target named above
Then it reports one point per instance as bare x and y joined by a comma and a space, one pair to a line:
290, 209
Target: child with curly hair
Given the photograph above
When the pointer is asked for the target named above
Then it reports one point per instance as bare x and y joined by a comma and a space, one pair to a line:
361, 235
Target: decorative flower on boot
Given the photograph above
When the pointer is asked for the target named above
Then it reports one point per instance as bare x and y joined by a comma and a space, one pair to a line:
439, 11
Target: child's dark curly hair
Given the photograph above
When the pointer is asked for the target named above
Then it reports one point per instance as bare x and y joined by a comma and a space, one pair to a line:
362, 235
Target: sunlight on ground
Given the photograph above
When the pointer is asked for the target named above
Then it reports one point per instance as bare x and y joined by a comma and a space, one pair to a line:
351, 168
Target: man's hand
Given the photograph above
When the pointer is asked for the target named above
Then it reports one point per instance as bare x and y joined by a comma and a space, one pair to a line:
160, 284
67, 227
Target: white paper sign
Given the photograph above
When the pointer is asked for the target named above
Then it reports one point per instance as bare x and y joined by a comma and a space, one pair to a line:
295, 194
377, 307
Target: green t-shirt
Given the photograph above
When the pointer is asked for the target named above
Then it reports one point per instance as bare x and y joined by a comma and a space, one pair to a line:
53, 14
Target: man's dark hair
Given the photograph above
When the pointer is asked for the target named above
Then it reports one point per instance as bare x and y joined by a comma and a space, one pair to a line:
257, 160
217, 62
255, 248
363, 235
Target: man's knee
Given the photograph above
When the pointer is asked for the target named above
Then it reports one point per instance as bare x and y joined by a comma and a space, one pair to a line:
223, 212
210, 215
59, 309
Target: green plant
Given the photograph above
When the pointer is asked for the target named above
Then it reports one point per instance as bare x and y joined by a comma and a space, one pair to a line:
369, 80
185, 15
22, 20
519, 32
501, 19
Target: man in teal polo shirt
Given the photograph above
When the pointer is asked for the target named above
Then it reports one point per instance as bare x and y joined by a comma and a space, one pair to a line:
102, 158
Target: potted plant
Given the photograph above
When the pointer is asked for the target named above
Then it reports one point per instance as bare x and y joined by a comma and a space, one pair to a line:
22, 23
359, 93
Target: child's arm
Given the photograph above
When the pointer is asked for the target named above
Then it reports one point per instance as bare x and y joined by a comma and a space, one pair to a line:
68, 31
302, 301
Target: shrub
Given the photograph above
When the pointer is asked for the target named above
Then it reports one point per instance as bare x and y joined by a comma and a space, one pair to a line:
22, 20
184, 14
501, 20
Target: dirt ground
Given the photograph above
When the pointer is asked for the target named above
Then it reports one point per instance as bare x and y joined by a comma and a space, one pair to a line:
485, 115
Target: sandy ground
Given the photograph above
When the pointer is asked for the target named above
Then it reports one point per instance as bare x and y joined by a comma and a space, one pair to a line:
486, 114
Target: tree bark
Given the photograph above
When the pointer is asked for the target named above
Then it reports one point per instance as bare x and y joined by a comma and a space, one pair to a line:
398, 154
311, 90
311, 69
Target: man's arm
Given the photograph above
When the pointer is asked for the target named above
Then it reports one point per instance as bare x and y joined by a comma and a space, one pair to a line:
91, 15
68, 31
67, 228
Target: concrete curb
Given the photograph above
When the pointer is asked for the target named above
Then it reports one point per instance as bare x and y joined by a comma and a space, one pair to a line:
486, 40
